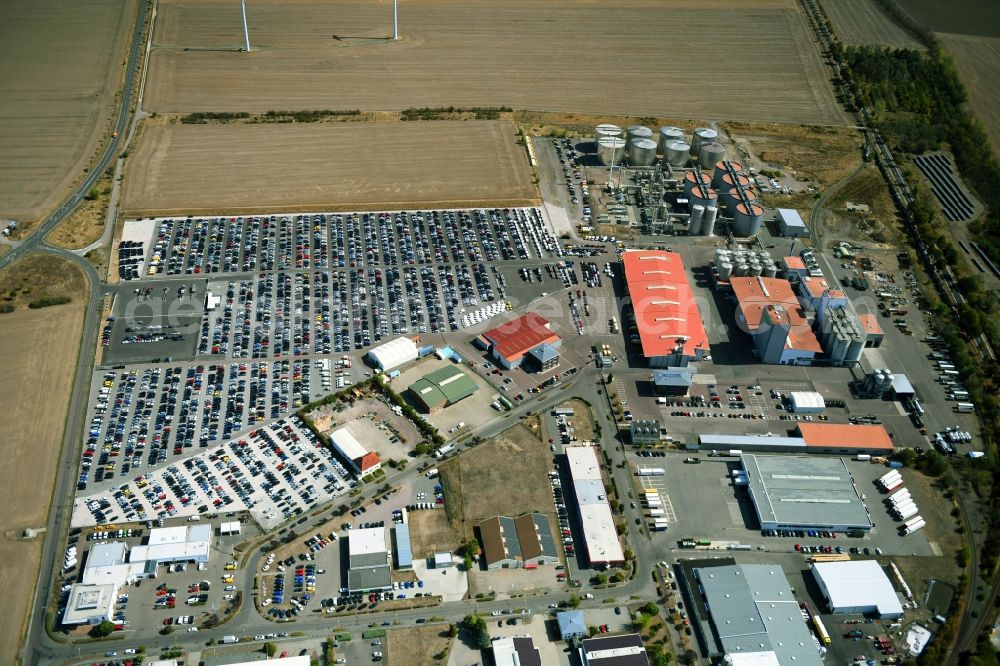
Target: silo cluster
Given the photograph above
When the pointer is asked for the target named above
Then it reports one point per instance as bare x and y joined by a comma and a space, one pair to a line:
879, 382
724, 263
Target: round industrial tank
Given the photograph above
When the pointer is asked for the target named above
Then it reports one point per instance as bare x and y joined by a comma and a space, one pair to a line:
694, 222
741, 270
710, 197
701, 136
726, 181
720, 171
755, 269
691, 181
667, 136
708, 223
732, 199
725, 270
607, 131
747, 221
770, 270
611, 150
642, 152
710, 153
634, 132
721, 254
677, 153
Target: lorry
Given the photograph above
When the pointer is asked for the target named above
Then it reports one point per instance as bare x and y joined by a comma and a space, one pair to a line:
227, 640
444, 450
915, 527
431, 473
893, 485
906, 512
965, 408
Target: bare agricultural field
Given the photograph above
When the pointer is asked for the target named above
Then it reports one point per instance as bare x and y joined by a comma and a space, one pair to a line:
34, 389
647, 57
40, 277
477, 484
860, 22
418, 646
978, 62
966, 17
62, 67
227, 168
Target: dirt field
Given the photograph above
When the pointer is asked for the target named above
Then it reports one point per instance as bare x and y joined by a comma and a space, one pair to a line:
326, 166
430, 532
646, 57
38, 276
858, 22
582, 420
63, 64
417, 646
34, 389
823, 155
481, 478
967, 17
978, 62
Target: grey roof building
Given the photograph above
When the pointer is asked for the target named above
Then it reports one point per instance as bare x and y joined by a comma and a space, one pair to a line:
571, 624
797, 492
525, 541
755, 617
621, 650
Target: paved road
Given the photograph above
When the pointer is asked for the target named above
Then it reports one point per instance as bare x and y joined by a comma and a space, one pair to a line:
37, 643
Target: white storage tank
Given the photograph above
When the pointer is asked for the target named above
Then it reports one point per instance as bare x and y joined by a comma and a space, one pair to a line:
741, 270
747, 220
694, 222
710, 153
708, 224
725, 270
668, 135
770, 270
642, 152
677, 153
701, 136
611, 150
607, 131
634, 132
721, 254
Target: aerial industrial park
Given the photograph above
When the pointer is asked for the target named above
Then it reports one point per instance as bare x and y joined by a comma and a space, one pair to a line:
333, 341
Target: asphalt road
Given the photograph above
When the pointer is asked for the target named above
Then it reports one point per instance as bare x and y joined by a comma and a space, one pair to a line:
37, 642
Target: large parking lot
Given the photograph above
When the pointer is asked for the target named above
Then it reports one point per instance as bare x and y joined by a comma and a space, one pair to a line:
275, 472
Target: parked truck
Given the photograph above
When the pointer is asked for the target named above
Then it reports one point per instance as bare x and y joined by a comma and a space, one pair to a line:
444, 450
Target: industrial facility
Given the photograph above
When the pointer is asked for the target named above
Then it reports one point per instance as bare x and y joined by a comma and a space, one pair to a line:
673, 381
511, 543
509, 342
620, 650
392, 354
804, 492
858, 586
442, 388
667, 321
754, 617
515, 651
790, 223
822, 438
353, 453
368, 561
596, 520
770, 312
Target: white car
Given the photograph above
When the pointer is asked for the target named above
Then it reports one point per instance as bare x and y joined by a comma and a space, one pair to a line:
259, 637
496, 613
230, 588
191, 630
227, 597
376, 654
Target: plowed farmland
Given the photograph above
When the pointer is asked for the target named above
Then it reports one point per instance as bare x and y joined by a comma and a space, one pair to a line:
860, 22
748, 60
978, 62
62, 63
326, 166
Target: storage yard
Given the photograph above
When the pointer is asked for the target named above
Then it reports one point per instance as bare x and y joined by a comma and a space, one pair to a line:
185, 169
312, 55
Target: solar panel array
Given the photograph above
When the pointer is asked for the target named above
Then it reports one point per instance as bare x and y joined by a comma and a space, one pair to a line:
545, 534
510, 537
939, 170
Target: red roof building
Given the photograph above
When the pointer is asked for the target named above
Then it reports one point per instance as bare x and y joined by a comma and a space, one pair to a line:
510, 341
368, 462
773, 298
667, 317
835, 437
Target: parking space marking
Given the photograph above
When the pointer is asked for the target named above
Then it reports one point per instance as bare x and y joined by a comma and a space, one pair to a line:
660, 486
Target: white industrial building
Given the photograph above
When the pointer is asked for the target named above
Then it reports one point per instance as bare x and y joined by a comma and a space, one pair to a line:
858, 586
175, 544
596, 519
368, 560
791, 223
515, 651
353, 452
393, 354
807, 402
90, 604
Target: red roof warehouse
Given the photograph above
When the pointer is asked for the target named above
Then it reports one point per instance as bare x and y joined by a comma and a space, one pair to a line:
666, 314
510, 341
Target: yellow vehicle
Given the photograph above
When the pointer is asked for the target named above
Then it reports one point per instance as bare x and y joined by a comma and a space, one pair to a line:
230, 566
227, 579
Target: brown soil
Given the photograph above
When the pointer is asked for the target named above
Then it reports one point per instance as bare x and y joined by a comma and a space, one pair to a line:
63, 66
228, 168
417, 646
560, 56
40, 276
86, 224
431, 533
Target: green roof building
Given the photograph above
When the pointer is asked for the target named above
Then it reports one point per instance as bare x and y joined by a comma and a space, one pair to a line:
441, 388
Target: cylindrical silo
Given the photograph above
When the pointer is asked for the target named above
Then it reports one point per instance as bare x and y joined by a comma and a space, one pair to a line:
755, 268
709, 153
703, 197
770, 270
708, 224
747, 221
611, 150
721, 254
701, 136
642, 152
725, 270
855, 349
732, 199
634, 132
667, 136
726, 181
677, 153
740, 270
607, 131
694, 222
691, 180
721, 170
